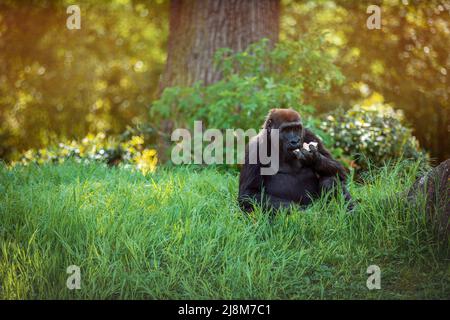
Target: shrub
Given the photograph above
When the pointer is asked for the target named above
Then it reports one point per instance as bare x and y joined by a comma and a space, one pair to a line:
97, 148
254, 81
372, 132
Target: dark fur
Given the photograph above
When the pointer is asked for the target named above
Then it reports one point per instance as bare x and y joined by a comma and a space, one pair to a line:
298, 182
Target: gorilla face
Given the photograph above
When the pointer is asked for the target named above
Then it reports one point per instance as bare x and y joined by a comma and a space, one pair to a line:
291, 136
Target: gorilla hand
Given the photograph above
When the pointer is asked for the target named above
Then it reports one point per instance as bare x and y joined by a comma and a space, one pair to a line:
309, 157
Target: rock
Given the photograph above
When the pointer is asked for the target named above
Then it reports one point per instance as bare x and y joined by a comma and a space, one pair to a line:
436, 187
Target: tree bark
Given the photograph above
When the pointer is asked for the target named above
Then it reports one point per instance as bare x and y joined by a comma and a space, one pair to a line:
435, 186
197, 28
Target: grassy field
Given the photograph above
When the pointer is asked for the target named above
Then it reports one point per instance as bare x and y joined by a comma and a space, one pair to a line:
178, 233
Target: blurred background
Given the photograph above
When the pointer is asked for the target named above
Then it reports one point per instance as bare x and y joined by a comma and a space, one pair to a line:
107, 79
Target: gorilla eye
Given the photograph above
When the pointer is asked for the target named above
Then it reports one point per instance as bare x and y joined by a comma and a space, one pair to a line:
291, 128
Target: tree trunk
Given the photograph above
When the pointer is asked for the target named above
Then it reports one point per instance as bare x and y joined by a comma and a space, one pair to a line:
435, 186
197, 28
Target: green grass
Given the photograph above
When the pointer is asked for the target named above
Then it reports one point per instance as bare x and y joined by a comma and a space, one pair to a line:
178, 233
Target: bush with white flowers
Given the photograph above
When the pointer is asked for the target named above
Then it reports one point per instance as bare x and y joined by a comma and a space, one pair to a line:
131, 152
375, 132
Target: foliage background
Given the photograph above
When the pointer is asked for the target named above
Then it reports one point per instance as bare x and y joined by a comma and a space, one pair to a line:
58, 84
407, 61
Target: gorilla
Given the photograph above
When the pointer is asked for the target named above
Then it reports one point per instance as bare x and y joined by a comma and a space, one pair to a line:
303, 175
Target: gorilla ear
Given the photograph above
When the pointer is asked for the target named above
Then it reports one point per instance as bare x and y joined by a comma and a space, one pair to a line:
268, 125
268, 122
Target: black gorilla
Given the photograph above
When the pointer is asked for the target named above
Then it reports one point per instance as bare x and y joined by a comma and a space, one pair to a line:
302, 175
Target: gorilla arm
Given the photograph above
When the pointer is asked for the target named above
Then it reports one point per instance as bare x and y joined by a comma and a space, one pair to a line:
251, 188
327, 167
324, 163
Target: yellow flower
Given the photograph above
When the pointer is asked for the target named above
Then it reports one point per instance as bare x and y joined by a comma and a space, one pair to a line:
137, 141
101, 135
43, 152
88, 138
146, 161
29, 154
82, 151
